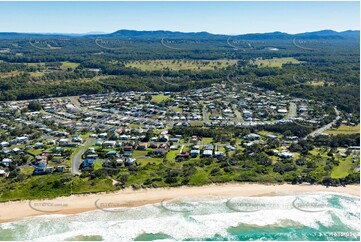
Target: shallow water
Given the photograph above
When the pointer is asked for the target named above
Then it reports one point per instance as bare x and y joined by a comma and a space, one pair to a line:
311, 216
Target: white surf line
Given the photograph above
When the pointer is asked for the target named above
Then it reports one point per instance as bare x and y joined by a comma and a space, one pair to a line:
301, 47
41, 48
169, 47
107, 48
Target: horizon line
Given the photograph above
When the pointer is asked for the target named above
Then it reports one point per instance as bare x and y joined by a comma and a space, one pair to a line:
174, 31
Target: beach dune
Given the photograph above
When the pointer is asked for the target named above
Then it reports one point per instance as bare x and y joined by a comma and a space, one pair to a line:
16, 210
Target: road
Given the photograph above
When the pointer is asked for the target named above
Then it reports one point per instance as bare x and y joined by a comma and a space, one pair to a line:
75, 102
326, 127
77, 158
166, 82
205, 114
292, 110
238, 114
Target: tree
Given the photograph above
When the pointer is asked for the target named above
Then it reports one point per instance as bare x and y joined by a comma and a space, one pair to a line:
34, 106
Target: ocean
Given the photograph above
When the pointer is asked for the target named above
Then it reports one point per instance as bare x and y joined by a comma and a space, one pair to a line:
310, 216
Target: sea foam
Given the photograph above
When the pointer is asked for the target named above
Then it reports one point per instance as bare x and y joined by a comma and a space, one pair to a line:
201, 219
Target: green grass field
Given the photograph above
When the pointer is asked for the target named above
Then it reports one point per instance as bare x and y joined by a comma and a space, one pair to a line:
344, 129
65, 65
176, 65
205, 141
275, 62
342, 169
159, 98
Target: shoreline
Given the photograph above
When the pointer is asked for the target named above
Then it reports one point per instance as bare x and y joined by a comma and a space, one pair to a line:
74, 204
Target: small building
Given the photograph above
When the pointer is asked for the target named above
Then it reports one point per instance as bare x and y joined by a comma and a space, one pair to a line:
142, 146
22, 139
207, 153
130, 160
102, 135
38, 145
63, 142
285, 155
174, 147
174, 140
49, 169
2, 173
109, 143
251, 136
4, 144
127, 153
78, 139
160, 151
218, 154
87, 164
59, 169
91, 150
40, 168
194, 153
98, 143
128, 148
112, 153
6, 161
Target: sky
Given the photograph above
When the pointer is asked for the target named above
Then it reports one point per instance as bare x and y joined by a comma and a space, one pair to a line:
213, 17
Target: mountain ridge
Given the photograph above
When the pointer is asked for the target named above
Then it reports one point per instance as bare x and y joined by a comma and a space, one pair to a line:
159, 34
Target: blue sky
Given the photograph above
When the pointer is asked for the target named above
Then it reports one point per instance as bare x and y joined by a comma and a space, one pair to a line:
214, 17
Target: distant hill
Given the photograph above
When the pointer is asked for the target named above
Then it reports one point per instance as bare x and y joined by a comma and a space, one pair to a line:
158, 34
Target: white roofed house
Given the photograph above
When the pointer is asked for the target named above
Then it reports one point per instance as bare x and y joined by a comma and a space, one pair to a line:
285, 154
4, 144
6, 161
102, 135
109, 143
207, 153
22, 139
2, 173
63, 142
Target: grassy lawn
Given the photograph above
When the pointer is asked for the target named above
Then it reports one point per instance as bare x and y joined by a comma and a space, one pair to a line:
97, 165
316, 83
342, 169
9, 74
27, 170
139, 153
66, 64
276, 62
206, 140
35, 151
344, 129
159, 98
196, 123
36, 74
146, 161
171, 155
175, 65
176, 109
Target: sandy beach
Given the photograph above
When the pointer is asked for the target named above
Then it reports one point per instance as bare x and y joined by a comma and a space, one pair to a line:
11, 211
